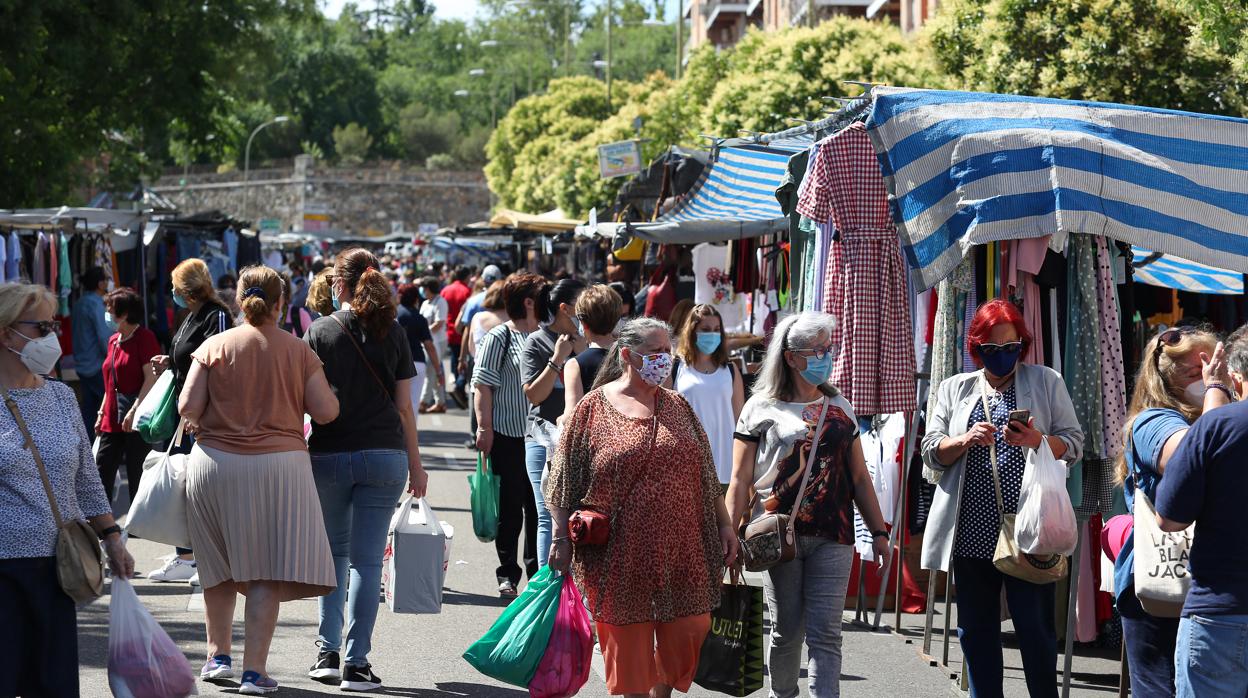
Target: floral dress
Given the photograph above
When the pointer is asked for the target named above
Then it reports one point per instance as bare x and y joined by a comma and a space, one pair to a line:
655, 478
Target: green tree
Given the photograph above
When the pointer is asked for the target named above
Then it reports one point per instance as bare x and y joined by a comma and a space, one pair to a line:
424, 133
352, 143
1143, 52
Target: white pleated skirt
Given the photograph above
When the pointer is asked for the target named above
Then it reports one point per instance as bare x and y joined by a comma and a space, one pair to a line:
257, 518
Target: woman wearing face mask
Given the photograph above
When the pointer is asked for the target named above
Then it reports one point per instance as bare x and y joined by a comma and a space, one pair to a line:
635, 451
546, 353
1183, 374
128, 376
795, 412
206, 316
40, 637
963, 524
710, 382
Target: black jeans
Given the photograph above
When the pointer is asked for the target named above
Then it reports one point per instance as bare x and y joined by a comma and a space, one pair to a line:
40, 639
460, 379
517, 509
120, 447
979, 628
1150, 648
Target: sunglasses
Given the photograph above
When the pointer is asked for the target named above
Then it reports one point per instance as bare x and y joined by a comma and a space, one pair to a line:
987, 349
45, 327
1170, 338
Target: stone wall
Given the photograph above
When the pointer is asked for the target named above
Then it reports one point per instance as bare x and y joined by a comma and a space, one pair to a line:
356, 201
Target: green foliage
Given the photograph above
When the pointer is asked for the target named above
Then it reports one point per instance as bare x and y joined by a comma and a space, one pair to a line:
352, 143
423, 133
1142, 52
313, 149
440, 161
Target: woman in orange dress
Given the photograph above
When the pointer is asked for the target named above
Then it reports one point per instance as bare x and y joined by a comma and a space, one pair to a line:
637, 453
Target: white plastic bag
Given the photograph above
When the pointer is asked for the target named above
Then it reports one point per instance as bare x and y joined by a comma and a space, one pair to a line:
143, 662
1045, 524
158, 512
416, 559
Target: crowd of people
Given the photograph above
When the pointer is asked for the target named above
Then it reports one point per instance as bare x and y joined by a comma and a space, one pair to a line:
299, 390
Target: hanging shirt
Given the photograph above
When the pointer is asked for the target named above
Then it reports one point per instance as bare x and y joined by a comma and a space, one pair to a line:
13, 261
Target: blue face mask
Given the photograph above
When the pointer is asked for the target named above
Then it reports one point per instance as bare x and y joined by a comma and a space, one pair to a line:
818, 371
110, 322
337, 303
1002, 363
708, 342
179, 301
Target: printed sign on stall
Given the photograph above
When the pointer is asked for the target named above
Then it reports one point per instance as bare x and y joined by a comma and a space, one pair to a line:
619, 159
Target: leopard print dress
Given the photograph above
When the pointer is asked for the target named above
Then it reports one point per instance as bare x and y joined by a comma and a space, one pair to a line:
656, 480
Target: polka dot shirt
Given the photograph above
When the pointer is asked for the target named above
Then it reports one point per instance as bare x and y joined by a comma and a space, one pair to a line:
978, 522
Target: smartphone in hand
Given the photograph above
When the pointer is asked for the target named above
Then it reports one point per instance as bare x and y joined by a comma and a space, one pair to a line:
1022, 416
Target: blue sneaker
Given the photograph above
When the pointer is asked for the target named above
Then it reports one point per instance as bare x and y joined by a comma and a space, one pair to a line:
256, 685
219, 667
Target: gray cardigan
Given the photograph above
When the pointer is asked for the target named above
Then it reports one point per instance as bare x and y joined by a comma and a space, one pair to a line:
1037, 388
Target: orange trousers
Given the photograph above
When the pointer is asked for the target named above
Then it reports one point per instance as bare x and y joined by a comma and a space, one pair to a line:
642, 655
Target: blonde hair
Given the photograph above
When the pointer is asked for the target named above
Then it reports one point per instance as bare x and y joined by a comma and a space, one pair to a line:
193, 281
259, 306
321, 292
599, 308
1155, 383
17, 299
687, 342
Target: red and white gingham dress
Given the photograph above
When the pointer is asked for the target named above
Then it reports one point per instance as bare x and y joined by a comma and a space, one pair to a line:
865, 281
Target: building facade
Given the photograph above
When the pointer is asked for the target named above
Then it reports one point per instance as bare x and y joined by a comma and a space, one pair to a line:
723, 24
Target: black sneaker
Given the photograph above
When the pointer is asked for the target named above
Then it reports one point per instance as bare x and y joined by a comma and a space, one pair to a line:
360, 678
326, 667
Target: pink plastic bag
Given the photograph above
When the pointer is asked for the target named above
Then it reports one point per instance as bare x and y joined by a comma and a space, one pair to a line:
143, 662
565, 666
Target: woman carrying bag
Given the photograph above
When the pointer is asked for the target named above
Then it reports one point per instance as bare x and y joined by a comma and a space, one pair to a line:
966, 445
128, 376
362, 460
40, 638
797, 446
1182, 375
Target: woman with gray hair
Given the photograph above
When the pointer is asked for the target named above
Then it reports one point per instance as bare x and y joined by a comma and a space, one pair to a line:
795, 418
633, 458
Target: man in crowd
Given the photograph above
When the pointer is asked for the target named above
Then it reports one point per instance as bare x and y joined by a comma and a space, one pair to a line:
90, 333
456, 294
1204, 483
463, 322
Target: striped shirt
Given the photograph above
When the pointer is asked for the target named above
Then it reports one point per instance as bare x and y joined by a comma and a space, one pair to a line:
503, 374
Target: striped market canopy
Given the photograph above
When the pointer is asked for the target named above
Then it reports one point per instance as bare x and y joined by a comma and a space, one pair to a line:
735, 198
1169, 271
967, 168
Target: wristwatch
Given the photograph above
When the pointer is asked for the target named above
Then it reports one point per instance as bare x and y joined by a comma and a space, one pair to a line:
879, 534
109, 531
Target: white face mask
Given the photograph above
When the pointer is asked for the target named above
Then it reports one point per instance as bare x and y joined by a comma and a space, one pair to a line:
1195, 392
39, 356
576, 322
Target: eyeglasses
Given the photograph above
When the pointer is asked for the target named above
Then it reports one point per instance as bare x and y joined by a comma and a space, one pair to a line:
816, 353
45, 327
987, 349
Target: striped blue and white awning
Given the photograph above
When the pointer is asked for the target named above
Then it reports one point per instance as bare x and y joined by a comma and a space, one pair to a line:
967, 168
1168, 271
736, 198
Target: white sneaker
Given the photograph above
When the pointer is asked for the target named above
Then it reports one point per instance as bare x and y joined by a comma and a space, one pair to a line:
175, 570
194, 580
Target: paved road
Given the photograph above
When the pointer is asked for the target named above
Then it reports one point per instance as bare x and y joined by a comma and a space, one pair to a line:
419, 656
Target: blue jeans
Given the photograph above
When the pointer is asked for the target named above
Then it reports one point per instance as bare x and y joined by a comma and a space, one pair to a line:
358, 492
534, 462
806, 598
1211, 660
1150, 645
979, 628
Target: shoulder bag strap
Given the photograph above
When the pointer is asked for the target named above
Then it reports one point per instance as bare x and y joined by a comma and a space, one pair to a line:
368, 364
34, 451
992, 449
810, 464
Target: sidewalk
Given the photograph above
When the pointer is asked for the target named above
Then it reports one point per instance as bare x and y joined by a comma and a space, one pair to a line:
419, 656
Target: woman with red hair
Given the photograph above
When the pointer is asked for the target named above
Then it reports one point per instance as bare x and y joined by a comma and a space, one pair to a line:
974, 429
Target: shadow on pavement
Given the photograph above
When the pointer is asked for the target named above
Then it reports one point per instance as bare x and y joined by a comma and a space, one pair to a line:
463, 598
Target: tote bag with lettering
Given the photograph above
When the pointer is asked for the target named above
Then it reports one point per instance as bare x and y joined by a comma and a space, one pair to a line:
1161, 576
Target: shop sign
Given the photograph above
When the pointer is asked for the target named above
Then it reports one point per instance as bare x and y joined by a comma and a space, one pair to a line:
619, 159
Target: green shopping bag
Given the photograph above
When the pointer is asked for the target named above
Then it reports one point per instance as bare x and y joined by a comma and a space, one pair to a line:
156, 424
512, 648
484, 486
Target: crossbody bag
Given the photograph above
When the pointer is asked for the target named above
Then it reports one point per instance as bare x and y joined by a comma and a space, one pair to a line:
771, 538
79, 560
1008, 558
124, 401
590, 527
363, 357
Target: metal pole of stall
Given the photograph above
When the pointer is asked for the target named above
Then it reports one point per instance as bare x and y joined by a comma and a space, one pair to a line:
930, 613
1073, 597
944, 657
899, 514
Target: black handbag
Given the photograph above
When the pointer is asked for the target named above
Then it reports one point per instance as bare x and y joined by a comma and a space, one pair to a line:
125, 401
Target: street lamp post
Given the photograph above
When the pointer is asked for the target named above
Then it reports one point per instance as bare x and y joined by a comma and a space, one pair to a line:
609, 14
247, 158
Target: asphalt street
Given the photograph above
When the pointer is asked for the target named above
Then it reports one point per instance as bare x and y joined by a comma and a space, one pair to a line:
420, 655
